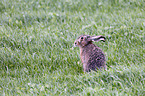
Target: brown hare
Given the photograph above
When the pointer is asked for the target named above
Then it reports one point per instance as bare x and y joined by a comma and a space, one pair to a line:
91, 55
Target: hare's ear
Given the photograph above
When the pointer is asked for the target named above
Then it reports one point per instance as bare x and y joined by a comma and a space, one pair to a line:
98, 38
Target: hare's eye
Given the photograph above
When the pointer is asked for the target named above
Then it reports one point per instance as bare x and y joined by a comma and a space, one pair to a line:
81, 37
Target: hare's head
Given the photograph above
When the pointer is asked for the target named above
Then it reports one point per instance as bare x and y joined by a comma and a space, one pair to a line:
84, 40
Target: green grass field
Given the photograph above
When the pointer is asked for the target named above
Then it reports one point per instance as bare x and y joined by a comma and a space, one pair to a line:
37, 56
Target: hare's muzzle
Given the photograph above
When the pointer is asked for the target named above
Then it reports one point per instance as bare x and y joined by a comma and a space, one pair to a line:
77, 43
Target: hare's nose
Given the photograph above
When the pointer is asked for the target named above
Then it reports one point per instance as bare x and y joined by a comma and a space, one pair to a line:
75, 44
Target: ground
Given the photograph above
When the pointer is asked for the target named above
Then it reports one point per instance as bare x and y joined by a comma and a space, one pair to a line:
37, 56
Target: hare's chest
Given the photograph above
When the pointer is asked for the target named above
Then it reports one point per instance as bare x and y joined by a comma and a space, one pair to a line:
84, 56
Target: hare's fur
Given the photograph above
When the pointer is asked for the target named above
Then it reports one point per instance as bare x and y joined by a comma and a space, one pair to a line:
91, 55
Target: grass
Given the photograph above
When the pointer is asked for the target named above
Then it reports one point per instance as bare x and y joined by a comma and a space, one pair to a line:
37, 55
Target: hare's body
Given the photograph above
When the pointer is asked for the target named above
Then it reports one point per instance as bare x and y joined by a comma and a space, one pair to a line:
92, 56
